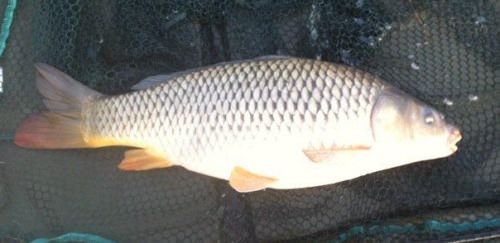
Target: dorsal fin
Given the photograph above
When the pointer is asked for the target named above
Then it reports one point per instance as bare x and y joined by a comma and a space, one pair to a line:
155, 80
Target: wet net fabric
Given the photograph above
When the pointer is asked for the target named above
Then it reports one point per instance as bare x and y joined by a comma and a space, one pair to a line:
446, 53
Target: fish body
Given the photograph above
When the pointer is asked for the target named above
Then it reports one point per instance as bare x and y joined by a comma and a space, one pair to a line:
275, 122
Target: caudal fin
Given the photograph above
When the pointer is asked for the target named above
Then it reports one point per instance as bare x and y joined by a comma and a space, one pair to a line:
61, 126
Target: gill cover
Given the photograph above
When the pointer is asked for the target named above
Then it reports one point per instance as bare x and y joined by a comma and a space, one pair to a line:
387, 119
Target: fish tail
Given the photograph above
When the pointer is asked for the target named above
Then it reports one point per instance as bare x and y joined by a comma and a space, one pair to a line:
61, 126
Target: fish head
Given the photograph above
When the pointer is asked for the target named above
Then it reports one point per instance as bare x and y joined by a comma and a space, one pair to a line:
429, 128
411, 128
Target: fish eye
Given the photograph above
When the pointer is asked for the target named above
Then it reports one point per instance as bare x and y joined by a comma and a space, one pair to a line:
429, 116
429, 119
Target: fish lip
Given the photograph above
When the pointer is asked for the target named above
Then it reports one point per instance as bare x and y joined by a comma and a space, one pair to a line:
454, 137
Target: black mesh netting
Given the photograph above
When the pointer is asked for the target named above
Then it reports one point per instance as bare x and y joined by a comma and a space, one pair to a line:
443, 52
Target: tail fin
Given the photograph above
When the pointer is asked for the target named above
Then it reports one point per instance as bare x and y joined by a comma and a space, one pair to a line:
61, 126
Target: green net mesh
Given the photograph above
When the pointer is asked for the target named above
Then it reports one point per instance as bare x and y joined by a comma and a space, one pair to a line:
443, 52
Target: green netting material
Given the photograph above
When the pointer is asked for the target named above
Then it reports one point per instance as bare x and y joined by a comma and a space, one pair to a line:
426, 227
74, 237
6, 23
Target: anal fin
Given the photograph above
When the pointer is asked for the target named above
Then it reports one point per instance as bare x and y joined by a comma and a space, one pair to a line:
245, 181
143, 159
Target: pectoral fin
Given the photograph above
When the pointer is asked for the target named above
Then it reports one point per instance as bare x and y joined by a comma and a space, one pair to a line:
319, 155
323, 155
245, 181
143, 159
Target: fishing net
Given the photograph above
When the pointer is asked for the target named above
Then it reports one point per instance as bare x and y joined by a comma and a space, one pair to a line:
443, 52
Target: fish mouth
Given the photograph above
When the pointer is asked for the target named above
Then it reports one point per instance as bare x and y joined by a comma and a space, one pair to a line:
454, 137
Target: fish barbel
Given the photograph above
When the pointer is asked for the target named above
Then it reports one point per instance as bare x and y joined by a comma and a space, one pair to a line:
275, 122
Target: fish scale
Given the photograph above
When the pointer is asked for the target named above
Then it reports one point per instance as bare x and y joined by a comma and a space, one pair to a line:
258, 101
264, 123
